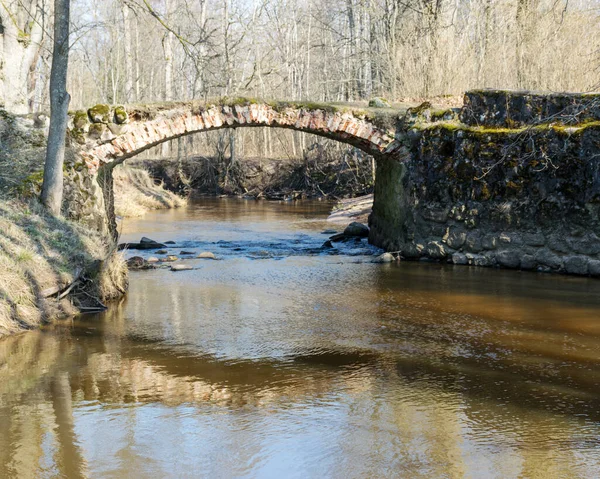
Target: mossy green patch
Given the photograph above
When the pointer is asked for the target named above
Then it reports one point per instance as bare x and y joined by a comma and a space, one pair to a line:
80, 119
99, 113
121, 115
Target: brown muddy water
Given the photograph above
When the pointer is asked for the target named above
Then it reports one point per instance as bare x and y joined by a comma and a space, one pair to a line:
282, 360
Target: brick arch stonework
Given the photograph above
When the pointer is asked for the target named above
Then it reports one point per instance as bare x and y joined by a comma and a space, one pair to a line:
105, 136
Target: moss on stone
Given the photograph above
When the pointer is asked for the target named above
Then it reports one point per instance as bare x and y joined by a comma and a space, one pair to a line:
80, 119
97, 130
121, 115
99, 114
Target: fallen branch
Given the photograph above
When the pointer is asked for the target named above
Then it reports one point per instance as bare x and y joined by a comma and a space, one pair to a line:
64, 289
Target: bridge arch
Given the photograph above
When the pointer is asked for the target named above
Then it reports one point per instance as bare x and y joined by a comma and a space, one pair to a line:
109, 135
105, 136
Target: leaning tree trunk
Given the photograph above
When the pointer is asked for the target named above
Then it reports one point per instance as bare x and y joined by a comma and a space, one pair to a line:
52, 189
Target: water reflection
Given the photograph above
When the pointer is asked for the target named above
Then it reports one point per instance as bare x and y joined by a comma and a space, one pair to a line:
310, 367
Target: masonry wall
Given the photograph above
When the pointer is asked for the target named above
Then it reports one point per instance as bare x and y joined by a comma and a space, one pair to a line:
525, 198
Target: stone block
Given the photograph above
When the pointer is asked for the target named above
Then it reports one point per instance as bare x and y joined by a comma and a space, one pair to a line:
528, 262
413, 251
547, 258
577, 265
594, 267
460, 258
436, 250
456, 239
558, 243
489, 241
588, 244
473, 242
509, 259
534, 239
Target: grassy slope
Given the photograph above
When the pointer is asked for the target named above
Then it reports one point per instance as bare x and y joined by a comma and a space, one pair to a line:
38, 252
136, 193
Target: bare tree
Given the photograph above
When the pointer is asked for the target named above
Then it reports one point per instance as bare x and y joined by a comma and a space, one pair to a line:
52, 188
23, 26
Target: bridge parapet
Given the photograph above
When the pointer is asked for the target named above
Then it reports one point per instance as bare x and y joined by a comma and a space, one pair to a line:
517, 109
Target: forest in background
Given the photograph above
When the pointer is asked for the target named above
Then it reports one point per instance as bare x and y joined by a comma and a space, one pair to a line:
140, 51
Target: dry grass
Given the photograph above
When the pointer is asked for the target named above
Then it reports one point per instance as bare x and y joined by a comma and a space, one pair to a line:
38, 252
136, 193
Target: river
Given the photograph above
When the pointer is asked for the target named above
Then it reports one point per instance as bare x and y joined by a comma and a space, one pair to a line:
285, 360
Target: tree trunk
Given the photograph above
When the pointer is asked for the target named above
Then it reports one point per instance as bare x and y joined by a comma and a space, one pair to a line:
52, 188
129, 91
21, 37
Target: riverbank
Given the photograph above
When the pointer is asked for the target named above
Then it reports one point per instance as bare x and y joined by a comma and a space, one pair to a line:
321, 174
52, 268
136, 193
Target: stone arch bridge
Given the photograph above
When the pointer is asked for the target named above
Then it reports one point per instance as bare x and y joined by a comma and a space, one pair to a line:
508, 179
105, 136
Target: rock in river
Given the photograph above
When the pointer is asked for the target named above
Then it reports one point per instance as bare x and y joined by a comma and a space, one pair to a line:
181, 267
136, 263
357, 229
385, 258
145, 243
206, 255
169, 259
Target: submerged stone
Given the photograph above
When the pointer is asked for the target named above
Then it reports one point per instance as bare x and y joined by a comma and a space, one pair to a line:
357, 229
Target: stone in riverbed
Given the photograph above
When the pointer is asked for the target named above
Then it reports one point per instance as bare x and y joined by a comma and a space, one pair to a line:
137, 263
328, 232
385, 258
327, 244
162, 251
146, 245
181, 267
338, 237
186, 252
357, 229
206, 255
169, 259
460, 258
153, 259
170, 242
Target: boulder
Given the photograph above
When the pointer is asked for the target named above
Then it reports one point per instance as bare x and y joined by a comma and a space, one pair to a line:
153, 259
328, 232
385, 258
357, 229
327, 244
206, 255
186, 252
460, 258
338, 237
137, 263
181, 267
169, 259
140, 246
162, 251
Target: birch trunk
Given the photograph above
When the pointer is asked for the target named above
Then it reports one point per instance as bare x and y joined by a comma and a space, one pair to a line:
21, 36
